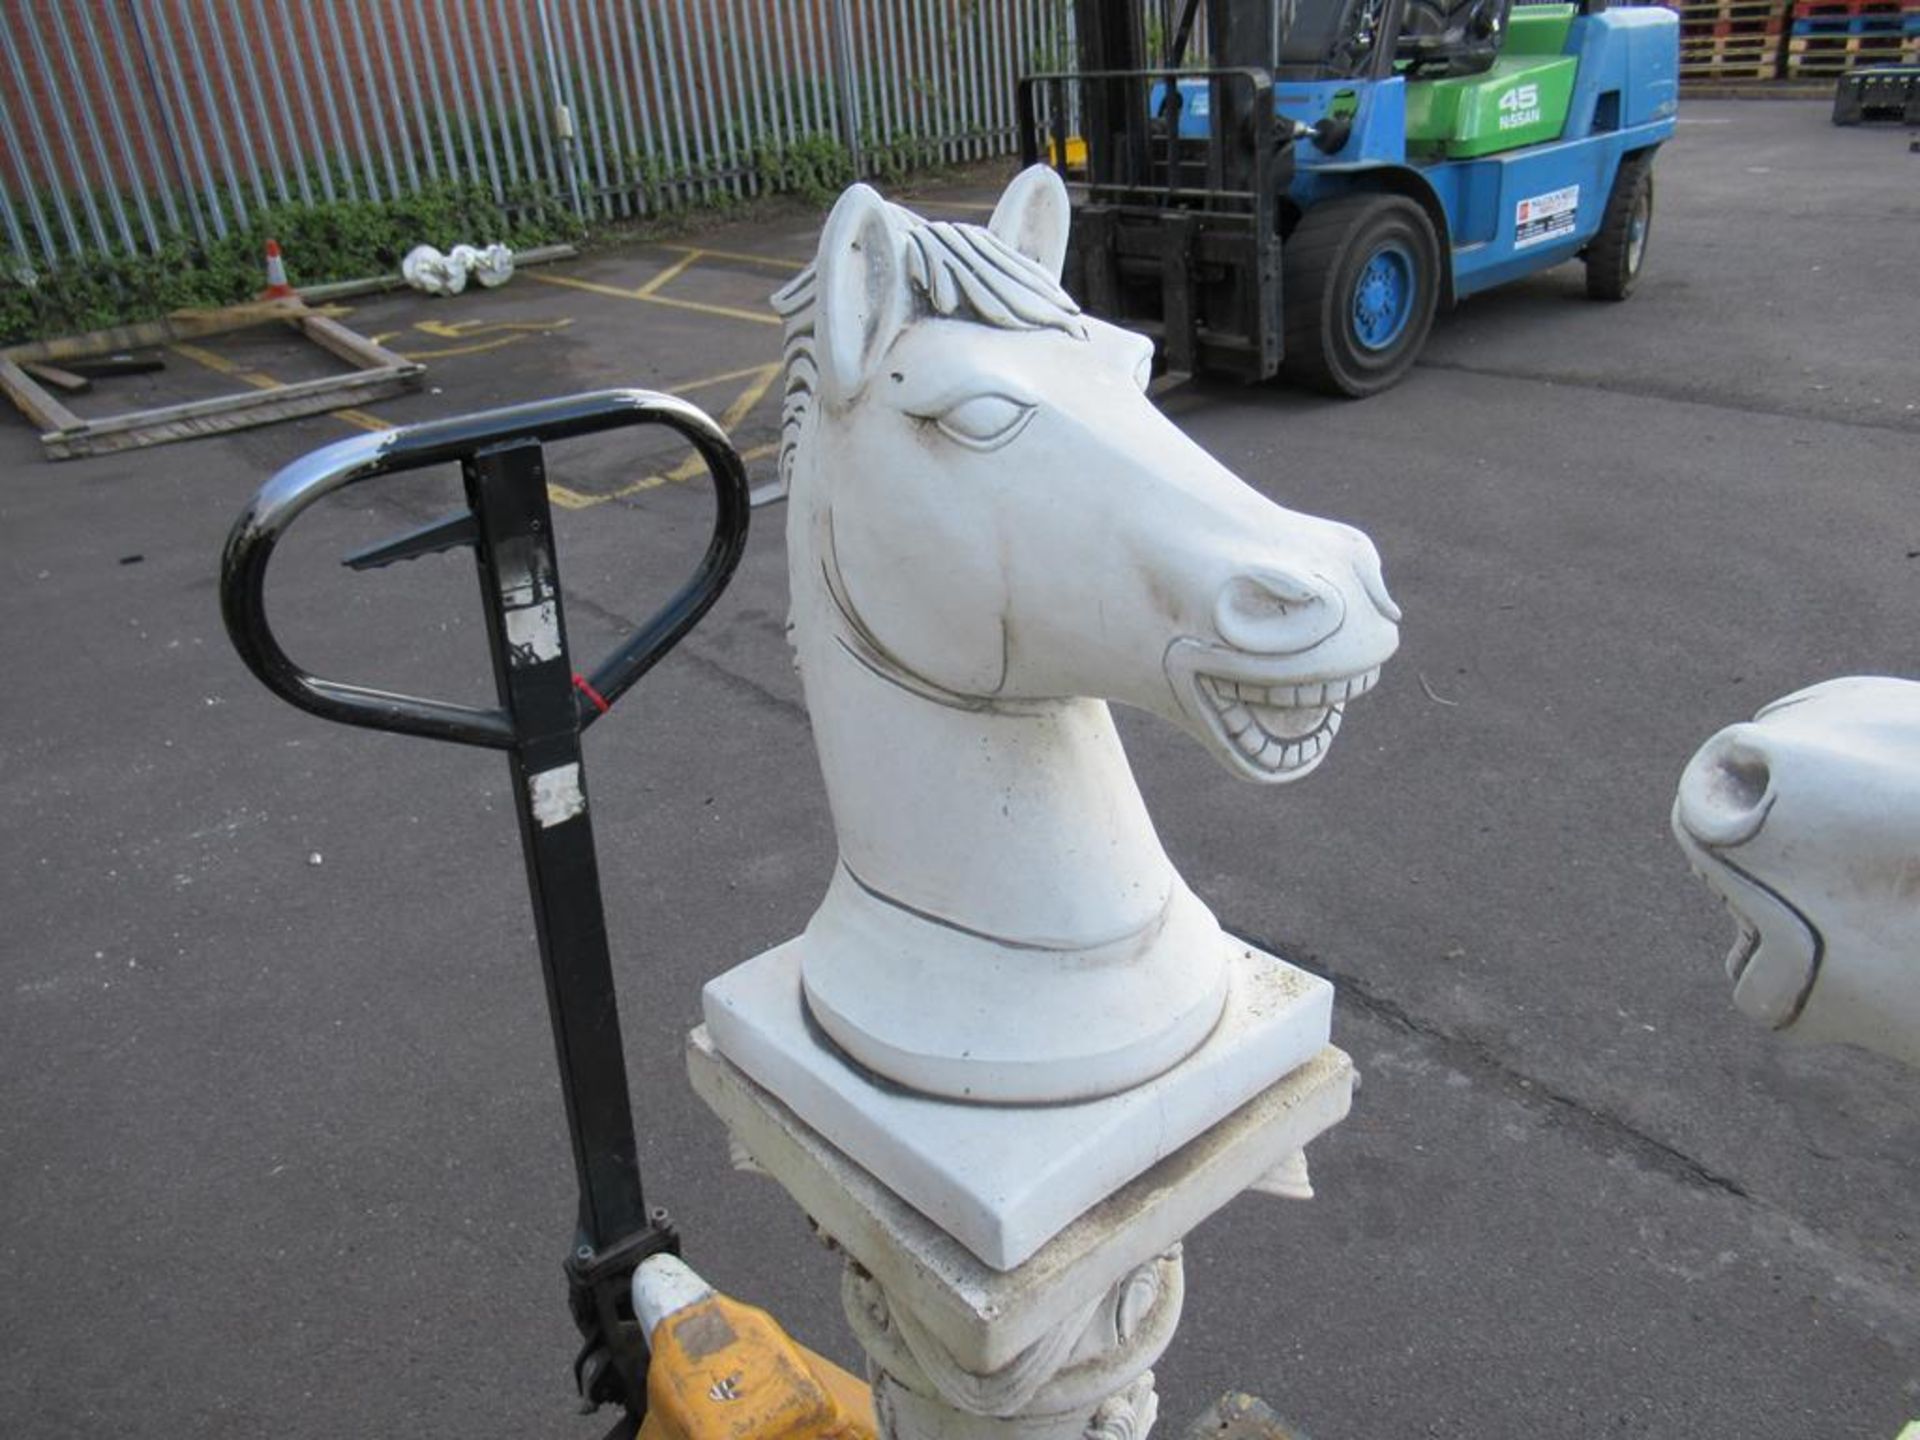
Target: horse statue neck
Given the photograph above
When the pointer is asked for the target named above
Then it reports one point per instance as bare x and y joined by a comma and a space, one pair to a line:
1018, 822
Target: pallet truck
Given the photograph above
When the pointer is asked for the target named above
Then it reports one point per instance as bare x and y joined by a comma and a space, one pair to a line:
679, 1361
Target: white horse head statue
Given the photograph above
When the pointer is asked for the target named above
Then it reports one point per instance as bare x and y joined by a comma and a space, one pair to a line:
993, 532
1807, 823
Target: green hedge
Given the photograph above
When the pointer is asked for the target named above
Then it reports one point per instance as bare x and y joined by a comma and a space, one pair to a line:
344, 240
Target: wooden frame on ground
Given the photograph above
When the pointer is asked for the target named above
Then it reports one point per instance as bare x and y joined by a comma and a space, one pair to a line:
377, 372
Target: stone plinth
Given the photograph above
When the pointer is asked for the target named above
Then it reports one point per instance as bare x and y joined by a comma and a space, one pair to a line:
1061, 1344
1004, 1180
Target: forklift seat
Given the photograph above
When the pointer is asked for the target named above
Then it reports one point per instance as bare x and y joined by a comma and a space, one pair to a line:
1333, 38
1441, 40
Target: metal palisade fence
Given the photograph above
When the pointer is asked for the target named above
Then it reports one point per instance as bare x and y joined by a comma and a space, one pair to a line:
131, 125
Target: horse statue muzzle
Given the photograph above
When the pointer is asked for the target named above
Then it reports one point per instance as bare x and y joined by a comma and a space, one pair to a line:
1806, 822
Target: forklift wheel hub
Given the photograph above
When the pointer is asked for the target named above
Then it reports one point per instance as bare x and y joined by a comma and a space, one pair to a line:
1383, 297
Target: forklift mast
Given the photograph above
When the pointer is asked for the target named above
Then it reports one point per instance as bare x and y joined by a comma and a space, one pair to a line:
1174, 236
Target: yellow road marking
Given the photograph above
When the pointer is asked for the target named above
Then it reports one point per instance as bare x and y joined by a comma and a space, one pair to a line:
749, 397
668, 275
642, 291
220, 365
360, 419
447, 352
570, 499
745, 256
474, 329
595, 286
756, 317
761, 378
504, 333
687, 387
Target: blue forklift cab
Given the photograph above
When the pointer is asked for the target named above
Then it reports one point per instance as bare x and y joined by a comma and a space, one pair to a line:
1304, 202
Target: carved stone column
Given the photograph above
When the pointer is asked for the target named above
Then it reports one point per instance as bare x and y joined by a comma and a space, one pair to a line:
1088, 1376
1061, 1346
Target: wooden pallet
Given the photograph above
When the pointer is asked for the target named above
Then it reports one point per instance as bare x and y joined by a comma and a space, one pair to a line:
377, 373
1705, 16
1731, 39
1732, 58
1883, 23
1825, 55
1771, 28
1812, 9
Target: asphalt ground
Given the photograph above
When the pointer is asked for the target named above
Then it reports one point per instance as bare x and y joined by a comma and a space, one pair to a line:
281, 1147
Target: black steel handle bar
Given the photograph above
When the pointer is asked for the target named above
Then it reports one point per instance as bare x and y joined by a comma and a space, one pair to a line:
250, 545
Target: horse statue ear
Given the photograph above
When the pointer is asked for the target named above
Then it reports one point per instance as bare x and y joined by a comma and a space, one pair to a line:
1033, 216
862, 292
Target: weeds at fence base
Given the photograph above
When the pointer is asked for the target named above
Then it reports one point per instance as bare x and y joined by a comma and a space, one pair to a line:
354, 239
343, 240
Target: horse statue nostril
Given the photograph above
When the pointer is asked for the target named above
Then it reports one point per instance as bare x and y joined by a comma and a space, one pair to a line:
1271, 612
1741, 779
1727, 790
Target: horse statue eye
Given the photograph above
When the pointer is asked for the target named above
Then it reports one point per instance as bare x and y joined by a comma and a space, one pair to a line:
986, 421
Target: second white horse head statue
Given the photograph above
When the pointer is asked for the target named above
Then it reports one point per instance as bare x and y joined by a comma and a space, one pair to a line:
992, 533
1807, 823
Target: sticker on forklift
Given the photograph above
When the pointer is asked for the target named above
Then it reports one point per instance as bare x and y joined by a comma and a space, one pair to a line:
1541, 218
556, 795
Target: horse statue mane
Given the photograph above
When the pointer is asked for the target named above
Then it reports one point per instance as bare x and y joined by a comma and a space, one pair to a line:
1806, 823
993, 533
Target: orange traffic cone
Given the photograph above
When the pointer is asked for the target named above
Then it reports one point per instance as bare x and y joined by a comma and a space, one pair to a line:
277, 286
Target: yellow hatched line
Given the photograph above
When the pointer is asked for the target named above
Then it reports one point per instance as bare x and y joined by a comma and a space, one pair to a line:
478, 347
361, 420
220, 365
576, 284
687, 387
693, 465
749, 397
671, 273
646, 296
642, 291
758, 317
746, 257
570, 499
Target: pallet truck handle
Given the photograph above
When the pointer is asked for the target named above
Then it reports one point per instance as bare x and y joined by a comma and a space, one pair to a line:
251, 543
544, 706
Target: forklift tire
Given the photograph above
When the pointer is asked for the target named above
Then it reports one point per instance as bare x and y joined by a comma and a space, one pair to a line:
1360, 279
1619, 247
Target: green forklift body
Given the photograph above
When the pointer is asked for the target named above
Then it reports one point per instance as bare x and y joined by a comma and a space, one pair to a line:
1522, 100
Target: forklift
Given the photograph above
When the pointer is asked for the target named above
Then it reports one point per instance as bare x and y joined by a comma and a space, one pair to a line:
1302, 197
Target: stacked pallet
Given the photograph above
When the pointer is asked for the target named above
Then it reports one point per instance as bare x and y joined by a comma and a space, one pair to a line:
1830, 37
1732, 39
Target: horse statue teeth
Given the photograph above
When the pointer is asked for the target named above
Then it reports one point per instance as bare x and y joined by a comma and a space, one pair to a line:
992, 534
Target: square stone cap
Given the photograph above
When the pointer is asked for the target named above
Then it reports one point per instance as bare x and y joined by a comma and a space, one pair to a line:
987, 1316
1004, 1179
